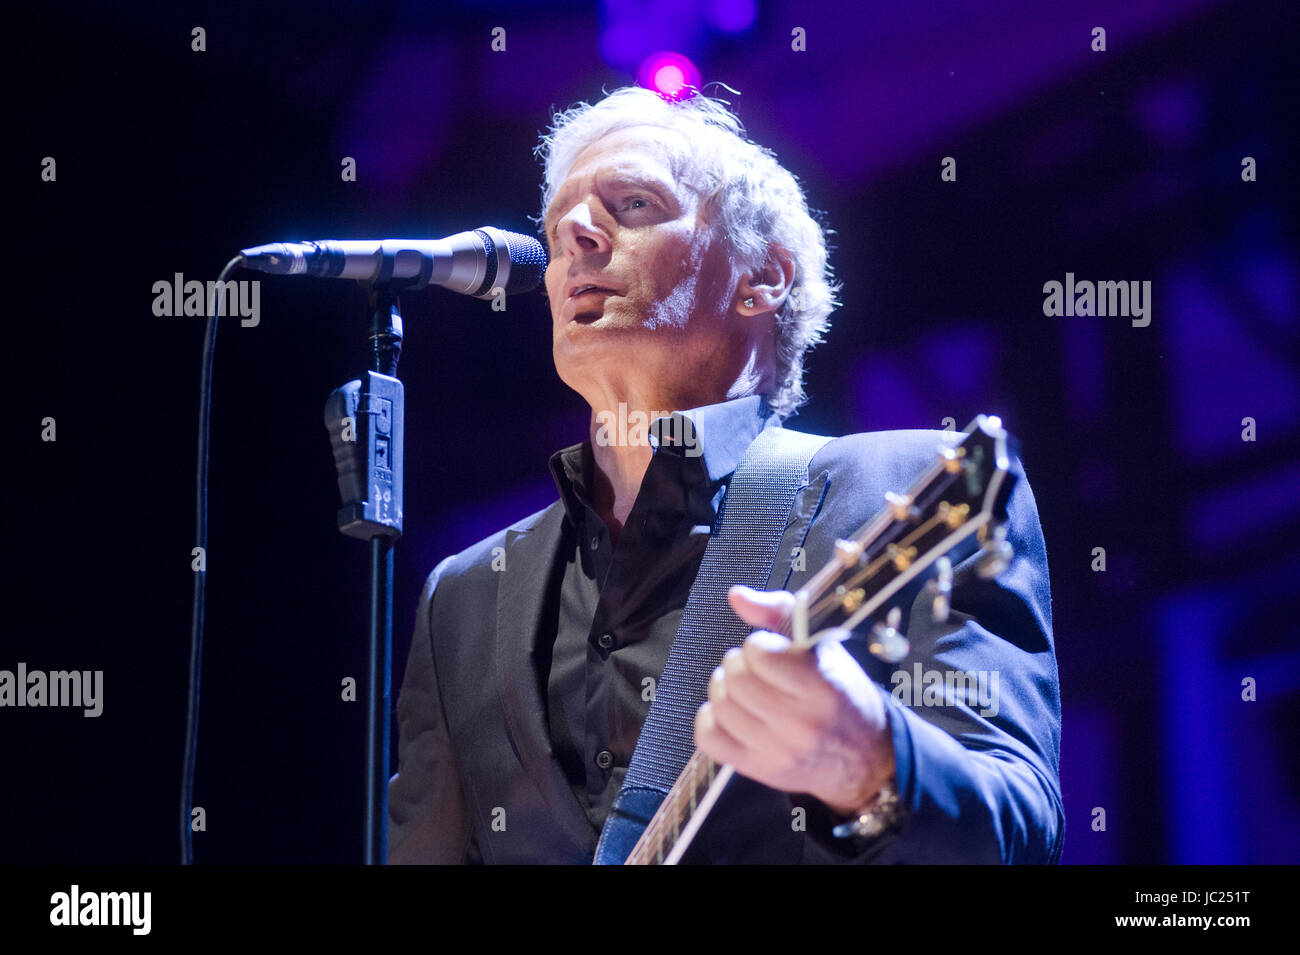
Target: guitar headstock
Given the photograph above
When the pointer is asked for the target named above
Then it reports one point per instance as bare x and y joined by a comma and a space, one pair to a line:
958, 504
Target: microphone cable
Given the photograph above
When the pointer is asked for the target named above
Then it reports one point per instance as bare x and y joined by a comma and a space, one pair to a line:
200, 575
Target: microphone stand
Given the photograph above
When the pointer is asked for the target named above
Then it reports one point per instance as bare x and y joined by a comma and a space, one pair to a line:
366, 422
365, 419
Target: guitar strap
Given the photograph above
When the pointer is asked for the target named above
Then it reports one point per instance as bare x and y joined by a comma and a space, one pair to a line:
741, 550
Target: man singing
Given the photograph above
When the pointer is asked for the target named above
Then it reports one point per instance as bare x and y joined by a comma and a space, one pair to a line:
687, 279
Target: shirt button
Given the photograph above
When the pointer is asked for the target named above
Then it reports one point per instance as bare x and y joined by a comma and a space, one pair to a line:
605, 641
604, 759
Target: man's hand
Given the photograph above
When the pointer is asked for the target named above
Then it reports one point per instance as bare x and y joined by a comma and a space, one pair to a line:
793, 720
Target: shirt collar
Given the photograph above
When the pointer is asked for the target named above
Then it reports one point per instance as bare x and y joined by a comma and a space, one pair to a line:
718, 434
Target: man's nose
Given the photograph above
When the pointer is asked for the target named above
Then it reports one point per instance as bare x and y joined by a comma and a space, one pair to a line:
578, 233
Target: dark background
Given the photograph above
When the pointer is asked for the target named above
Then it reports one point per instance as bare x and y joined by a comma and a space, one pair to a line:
1117, 165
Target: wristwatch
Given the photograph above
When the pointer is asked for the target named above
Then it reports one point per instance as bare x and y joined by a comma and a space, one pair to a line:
881, 813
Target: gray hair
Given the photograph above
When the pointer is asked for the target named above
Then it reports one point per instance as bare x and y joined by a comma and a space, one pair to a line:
756, 203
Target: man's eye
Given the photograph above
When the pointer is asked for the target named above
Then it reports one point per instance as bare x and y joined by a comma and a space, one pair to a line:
632, 203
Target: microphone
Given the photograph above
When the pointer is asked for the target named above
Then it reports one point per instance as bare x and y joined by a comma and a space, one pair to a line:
473, 263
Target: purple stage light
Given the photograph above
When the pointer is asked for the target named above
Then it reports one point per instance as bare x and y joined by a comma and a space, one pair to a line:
732, 16
669, 74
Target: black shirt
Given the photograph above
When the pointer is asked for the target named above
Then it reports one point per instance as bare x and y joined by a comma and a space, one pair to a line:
620, 607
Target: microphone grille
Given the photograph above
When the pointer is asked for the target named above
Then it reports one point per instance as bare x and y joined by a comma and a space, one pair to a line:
527, 262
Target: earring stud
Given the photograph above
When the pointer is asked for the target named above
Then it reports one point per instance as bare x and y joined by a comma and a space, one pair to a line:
749, 302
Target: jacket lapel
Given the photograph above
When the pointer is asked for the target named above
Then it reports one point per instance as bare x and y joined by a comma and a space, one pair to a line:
531, 561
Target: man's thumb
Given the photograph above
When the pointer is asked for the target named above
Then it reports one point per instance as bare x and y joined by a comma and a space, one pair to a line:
765, 609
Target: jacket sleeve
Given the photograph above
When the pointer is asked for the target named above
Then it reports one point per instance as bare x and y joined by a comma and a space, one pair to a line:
977, 769
429, 820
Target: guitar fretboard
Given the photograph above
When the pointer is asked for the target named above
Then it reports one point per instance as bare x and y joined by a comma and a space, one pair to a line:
665, 829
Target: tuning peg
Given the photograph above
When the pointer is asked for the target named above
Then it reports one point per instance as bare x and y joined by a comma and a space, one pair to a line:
939, 589
899, 505
997, 554
886, 642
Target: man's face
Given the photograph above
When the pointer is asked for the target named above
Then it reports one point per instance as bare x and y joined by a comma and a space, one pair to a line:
623, 224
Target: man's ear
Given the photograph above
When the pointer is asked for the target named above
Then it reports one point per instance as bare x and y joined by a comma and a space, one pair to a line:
767, 287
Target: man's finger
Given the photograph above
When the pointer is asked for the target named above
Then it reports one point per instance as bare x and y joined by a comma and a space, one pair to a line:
775, 661
713, 740
734, 716
746, 688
